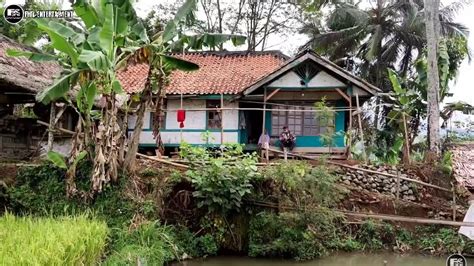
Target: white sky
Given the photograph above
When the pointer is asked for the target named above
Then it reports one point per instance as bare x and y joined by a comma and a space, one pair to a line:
463, 88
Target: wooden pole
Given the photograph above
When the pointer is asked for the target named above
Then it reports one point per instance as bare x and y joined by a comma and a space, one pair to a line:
222, 119
52, 115
407, 145
360, 126
349, 155
398, 184
263, 117
162, 160
60, 129
454, 201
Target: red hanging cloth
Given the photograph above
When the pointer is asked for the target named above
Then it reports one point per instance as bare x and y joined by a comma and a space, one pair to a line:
181, 117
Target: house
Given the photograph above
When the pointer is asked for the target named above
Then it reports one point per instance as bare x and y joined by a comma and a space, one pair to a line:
255, 90
20, 80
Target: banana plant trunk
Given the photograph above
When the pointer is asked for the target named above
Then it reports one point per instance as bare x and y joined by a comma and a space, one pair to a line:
145, 99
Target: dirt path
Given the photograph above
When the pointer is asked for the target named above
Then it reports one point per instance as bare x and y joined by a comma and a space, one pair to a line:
463, 164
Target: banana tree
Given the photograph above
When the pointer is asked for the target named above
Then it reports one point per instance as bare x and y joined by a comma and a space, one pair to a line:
112, 36
171, 39
403, 103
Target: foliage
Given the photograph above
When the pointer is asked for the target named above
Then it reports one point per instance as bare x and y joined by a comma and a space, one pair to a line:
446, 164
195, 246
149, 244
301, 236
303, 184
223, 181
437, 240
326, 118
51, 241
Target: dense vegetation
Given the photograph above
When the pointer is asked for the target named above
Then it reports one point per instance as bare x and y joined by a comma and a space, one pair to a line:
279, 211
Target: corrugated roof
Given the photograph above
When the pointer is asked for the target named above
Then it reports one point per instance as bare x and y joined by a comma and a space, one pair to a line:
21, 73
221, 72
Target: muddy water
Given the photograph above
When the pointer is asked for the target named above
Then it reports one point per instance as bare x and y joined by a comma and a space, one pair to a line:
341, 259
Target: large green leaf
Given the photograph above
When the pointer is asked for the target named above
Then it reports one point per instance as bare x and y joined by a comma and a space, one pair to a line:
87, 13
170, 29
106, 35
86, 96
79, 158
58, 41
59, 88
394, 80
177, 63
31, 56
57, 159
96, 60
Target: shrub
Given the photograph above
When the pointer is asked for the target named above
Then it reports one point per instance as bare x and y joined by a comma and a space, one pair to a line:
301, 236
220, 181
48, 241
195, 246
149, 244
303, 184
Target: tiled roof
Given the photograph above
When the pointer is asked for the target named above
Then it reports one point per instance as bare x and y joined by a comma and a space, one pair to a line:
20, 72
219, 72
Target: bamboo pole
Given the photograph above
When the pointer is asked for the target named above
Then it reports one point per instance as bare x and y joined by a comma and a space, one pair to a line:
257, 109
407, 145
263, 116
388, 217
367, 170
162, 160
398, 184
52, 115
222, 118
60, 129
360, 126
350, 131
454, 201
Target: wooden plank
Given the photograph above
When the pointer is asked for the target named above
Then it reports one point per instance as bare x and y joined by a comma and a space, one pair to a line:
360, 126
348, 99
272, 94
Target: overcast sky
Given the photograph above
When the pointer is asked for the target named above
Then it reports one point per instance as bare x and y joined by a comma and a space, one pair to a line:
463, 88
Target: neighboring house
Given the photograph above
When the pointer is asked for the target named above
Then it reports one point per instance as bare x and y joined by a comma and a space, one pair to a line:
250, 82
20, 81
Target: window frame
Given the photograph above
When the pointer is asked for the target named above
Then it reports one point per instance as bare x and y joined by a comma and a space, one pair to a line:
303, 116
215, 113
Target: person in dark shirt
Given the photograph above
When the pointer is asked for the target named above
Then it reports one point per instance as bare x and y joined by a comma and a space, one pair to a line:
287, 139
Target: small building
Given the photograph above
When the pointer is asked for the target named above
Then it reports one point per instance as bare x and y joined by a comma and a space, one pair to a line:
20, 80
255, 90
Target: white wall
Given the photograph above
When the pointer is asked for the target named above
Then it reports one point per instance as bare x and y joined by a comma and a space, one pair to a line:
322, 79
195, 121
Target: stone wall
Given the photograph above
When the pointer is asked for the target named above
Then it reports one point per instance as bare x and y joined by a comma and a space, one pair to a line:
380, 183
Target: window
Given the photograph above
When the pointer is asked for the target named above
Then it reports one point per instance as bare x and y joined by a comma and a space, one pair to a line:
214, 118
299, 122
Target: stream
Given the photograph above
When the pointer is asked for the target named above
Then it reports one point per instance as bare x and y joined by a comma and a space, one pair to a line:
338, 259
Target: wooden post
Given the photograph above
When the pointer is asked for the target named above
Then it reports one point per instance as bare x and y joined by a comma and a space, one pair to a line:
222, 119
454, 201
263, 118
349, 129
52, 115
360, 126
398, 184
407, 145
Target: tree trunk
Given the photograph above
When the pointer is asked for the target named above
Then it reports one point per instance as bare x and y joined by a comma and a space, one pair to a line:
431, 18
129, 162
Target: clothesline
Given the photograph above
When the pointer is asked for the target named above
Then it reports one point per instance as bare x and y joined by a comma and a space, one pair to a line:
259, 109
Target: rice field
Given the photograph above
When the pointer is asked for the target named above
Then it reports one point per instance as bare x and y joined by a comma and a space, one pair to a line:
51, 241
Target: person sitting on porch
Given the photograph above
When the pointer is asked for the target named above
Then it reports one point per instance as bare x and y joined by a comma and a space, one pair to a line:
287, 140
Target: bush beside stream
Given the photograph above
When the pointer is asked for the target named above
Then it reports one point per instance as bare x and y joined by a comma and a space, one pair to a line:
160, 216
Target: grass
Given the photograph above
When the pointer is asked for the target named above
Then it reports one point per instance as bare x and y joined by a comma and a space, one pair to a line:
51, 241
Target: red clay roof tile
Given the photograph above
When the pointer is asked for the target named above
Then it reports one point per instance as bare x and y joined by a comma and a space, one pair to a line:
219, 72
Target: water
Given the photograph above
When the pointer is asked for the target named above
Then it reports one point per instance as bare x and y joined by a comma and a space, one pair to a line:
340, 259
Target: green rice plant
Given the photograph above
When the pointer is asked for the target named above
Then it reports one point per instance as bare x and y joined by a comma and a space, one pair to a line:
51, 241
